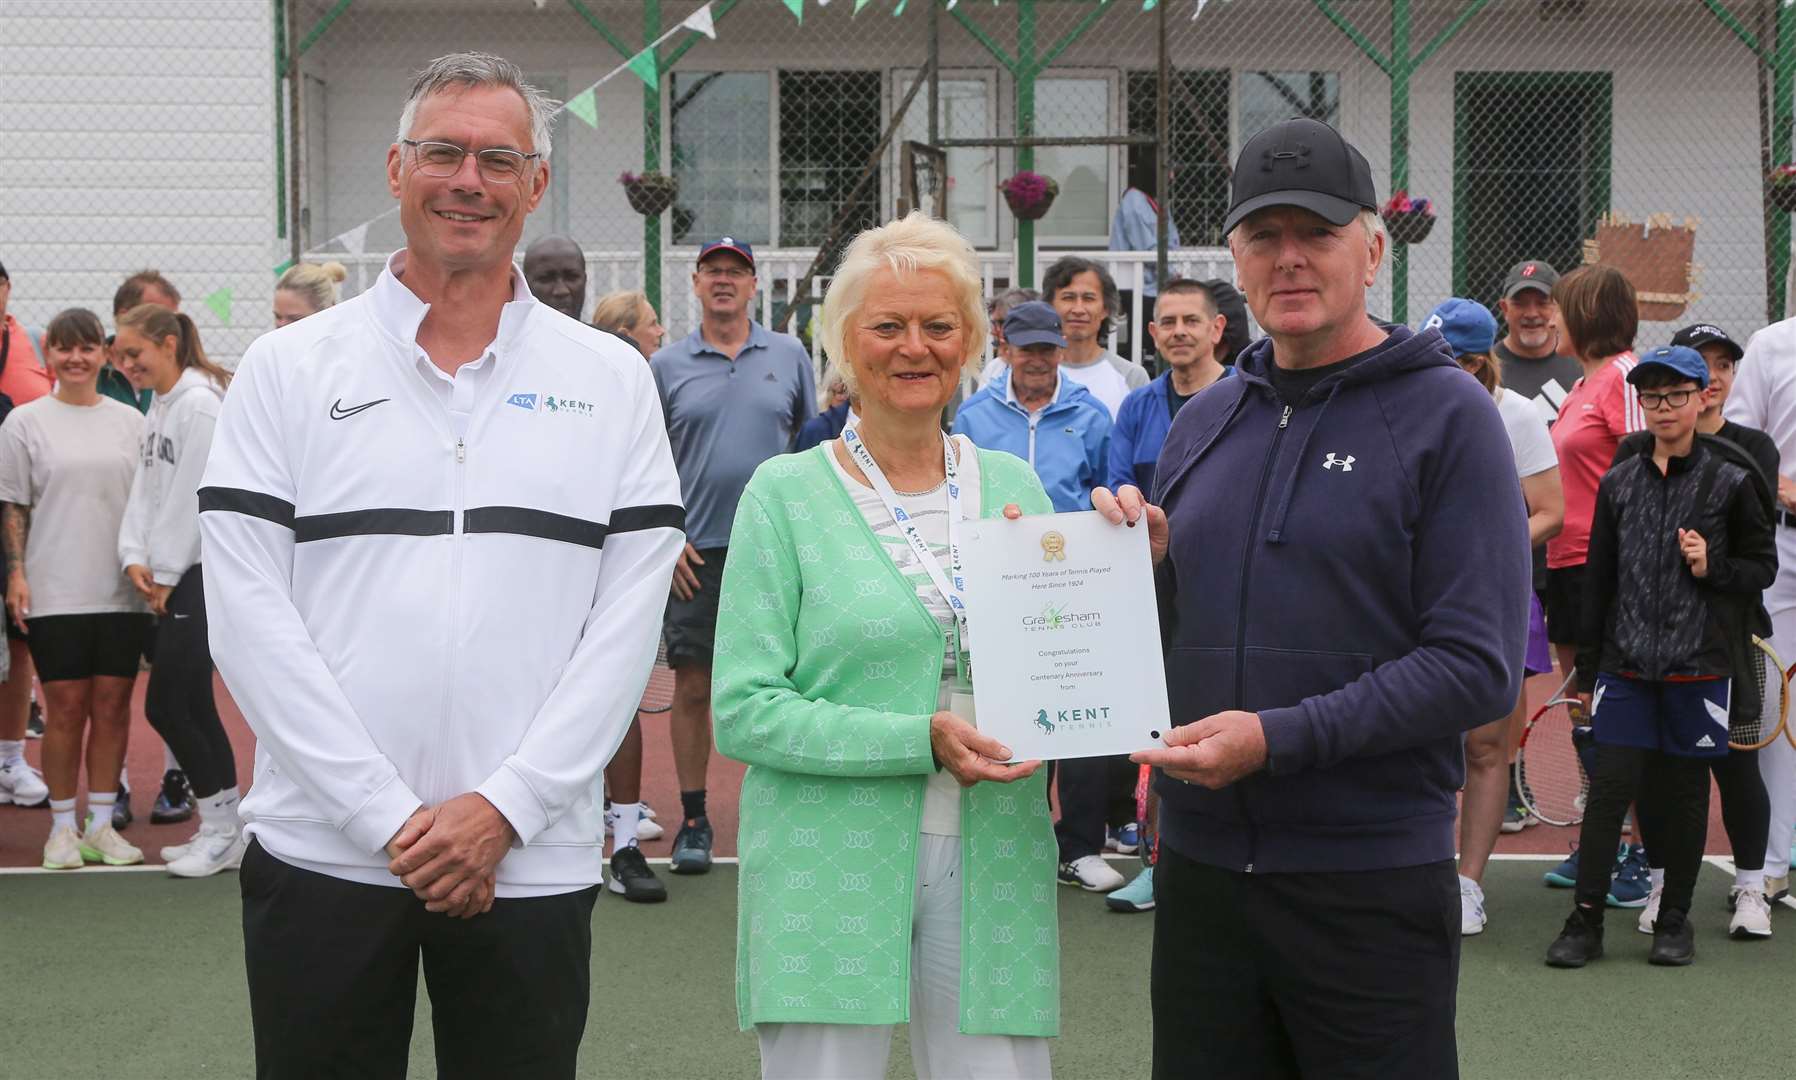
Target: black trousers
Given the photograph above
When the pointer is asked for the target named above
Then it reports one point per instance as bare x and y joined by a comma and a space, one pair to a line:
1094, 793
333, 978
1678, 789
179, 701
1745, 811
1338, 975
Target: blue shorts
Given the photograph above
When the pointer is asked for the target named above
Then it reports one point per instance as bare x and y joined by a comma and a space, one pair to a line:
1686, 717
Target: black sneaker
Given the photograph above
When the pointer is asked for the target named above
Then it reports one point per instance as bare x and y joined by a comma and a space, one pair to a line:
34, 725
1674, 940
174, 803
1580, 942
632, 879
692, 847
122, 816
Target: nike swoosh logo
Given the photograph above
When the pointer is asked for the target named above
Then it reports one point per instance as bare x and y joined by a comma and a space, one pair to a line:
338, 412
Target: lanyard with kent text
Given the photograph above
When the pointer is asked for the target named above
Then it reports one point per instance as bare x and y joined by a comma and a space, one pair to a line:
951, 585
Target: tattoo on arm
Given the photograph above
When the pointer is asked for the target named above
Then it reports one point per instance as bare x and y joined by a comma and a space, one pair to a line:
15, 526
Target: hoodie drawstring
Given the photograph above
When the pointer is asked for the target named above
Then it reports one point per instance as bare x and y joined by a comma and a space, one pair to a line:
1277, 533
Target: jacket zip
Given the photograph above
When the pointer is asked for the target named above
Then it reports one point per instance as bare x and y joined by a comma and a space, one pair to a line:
1253, 532
457, 537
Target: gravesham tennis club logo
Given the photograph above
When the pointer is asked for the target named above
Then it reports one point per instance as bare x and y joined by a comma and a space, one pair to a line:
1057, 617
549, 403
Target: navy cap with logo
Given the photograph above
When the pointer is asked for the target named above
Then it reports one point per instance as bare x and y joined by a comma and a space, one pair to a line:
1033, 323
1468, 326
1530, 274
728, 243
1681, 360
1695, 337
1302, 163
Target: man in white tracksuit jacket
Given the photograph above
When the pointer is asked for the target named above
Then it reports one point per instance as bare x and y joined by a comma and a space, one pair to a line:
439, 523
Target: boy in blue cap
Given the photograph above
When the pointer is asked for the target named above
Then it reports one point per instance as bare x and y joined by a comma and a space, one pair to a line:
1678, 531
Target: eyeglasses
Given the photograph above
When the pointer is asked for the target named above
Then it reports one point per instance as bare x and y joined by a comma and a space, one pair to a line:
442, 159
734, 273
1674, 399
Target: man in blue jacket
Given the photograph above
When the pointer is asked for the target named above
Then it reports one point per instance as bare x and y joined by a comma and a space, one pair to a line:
1188, 334
1345, 584
1054, 424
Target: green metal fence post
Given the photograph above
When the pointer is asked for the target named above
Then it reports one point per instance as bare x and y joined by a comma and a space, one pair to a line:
1025, 73
1783, 113
280, 120
1401, 66
651, 156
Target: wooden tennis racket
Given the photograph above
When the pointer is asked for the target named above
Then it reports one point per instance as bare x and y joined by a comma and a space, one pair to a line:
1548, 772
1773, 719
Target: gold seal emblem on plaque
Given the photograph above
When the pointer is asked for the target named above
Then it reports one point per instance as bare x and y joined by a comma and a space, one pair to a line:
1053, 547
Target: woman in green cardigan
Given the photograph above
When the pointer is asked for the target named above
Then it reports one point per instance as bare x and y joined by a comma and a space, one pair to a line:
893, 867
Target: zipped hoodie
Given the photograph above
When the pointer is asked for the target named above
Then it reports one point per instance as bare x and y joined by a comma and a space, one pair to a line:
161, 529
1354, 568
1067, 443
406, 615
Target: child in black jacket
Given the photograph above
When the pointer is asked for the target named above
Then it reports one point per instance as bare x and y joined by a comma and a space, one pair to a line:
1678, 530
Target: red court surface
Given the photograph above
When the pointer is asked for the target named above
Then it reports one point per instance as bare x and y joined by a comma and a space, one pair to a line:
22, 832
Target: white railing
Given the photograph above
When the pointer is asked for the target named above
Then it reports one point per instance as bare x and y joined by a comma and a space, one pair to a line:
779, 271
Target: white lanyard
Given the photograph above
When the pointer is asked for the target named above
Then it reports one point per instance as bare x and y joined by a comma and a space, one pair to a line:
952, 586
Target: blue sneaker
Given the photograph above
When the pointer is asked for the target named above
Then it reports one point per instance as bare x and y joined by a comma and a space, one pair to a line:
1565, 875
692, 848
1632, 883
1137, 895
1125, 840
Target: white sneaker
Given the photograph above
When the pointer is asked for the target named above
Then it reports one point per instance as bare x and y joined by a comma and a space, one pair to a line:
1650, 913
174, 851
1091, 873
1752, 917
63, 850
646, 827
1471, 907
211, 853
22, 785
107, 846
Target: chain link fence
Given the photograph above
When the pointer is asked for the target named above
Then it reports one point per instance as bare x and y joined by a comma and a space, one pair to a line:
1527, 124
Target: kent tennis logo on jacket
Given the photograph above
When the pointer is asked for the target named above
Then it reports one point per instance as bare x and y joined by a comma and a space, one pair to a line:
550, 403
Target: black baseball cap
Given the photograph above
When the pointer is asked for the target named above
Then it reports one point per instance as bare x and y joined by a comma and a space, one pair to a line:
1530, 274
1700, 334
1303, 163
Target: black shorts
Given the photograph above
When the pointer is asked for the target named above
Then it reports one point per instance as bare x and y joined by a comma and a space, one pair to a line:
83, 646
1565, 604
690, 626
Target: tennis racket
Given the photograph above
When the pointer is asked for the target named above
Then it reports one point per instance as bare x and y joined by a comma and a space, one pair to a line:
657, 696
1548, 772
1757, 732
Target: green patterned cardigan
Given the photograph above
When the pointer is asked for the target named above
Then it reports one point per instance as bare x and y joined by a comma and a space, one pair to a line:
826, 673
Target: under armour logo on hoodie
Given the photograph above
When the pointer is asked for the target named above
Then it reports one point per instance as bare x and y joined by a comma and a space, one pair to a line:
1346, 463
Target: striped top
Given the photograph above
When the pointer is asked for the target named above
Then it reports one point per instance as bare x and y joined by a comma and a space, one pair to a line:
929, 509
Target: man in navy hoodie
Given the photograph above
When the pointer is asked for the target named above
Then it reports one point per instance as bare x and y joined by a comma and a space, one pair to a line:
1345, 590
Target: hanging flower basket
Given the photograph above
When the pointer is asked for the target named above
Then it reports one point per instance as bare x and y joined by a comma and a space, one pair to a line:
1409, 221
1780, 187
650, 193
1030, 195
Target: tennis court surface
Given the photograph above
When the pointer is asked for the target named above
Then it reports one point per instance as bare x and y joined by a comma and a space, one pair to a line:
135, 974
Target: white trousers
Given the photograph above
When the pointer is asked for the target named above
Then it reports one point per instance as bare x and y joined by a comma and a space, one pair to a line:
940, 1051
1777, 763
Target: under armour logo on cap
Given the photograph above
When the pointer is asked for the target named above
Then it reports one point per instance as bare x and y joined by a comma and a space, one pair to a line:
1300, 154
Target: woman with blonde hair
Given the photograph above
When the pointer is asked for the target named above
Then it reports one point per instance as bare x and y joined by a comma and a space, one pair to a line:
842, 665
159, 551
628, 314
306, 289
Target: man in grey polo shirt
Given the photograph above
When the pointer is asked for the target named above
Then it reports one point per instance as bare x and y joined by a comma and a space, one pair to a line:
734, 394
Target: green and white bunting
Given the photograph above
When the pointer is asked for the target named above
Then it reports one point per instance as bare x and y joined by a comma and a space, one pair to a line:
585, 106
220, 305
